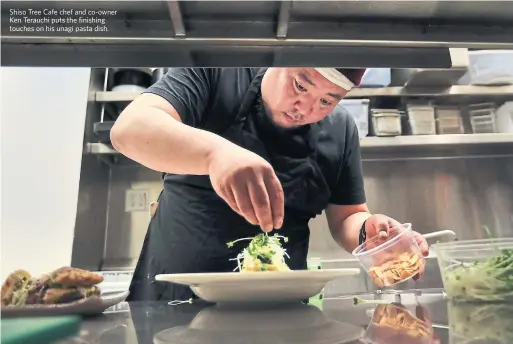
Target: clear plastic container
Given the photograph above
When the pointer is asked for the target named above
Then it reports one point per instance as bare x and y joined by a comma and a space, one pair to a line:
376, 77
394, 324
477, 270
490, 67
359, 110
393, 259
482, 118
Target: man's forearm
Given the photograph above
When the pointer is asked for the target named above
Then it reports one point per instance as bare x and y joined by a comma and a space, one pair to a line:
349, 230
163, 143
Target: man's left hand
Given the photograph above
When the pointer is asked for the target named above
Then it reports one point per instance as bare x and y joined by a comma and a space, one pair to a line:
380, 225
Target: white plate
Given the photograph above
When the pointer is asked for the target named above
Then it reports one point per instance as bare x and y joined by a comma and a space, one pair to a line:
89, 306
251, 287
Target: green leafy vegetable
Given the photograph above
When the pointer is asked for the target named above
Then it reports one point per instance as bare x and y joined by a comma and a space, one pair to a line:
487, 280
263, 253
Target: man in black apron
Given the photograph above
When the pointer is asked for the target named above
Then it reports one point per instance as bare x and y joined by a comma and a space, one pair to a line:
244, 150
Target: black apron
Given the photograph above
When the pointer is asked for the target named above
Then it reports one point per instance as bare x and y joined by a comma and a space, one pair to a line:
192, 224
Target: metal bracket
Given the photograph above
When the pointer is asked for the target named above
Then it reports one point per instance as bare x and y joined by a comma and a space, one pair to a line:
283, 19
176, 18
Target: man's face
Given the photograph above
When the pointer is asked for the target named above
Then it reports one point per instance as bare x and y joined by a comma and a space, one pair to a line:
298, 96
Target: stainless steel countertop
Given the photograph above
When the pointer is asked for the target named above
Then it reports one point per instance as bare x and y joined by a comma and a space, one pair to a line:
337, 320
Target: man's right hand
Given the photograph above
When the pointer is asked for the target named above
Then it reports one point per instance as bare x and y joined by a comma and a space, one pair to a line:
248, 184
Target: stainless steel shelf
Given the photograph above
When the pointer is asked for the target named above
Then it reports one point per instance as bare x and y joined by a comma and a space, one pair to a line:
417, 141
399, 34
435, 140
109, 96
457, 90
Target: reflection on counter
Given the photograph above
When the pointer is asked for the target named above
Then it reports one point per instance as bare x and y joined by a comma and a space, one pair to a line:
488, 323
296, 323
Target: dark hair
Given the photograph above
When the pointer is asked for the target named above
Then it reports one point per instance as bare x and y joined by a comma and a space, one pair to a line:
355, 75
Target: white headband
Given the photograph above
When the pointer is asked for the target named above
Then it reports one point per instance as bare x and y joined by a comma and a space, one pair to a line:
336, 77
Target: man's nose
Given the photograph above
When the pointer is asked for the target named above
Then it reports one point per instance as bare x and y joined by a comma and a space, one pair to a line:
304, 105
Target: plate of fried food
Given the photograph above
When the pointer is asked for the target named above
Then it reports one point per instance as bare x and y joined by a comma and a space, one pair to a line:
261, 275
64, 291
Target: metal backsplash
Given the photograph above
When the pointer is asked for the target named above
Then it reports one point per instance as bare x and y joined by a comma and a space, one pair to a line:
462, 195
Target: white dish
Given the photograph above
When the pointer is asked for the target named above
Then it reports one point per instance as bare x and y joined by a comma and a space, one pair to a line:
258, 287
90, 306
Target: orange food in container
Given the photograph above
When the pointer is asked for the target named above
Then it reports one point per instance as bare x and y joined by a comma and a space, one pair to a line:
393, 259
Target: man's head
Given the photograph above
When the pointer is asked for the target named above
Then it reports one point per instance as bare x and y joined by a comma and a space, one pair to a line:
299, 96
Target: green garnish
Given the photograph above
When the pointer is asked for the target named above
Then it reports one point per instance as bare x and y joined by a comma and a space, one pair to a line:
359, 301
262, 249
486, 280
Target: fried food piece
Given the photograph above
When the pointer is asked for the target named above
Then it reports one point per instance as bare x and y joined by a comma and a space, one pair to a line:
15, 282
37, 291
69, 276
395, 270
401, 320
66, 295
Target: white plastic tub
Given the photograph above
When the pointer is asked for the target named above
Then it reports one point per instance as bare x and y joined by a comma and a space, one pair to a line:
490, 67
359, 110
505, 118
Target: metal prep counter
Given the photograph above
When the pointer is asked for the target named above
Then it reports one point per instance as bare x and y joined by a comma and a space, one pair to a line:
335, 321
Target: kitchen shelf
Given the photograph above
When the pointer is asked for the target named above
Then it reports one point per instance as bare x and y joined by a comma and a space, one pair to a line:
368, 143
458, 90
397, 34
436, 140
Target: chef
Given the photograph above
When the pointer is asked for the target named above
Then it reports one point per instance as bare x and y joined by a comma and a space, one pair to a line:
245, 150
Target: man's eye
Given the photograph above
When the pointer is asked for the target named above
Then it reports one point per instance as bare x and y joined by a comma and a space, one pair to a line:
299, 86
325, 102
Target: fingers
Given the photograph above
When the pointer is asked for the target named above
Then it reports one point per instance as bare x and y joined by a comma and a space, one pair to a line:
261, 205
243, 203
424, 248
381, 227
259, 200
276, 199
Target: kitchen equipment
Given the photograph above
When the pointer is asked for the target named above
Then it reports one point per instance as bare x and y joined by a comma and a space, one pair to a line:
359, 110
448, 120
422, 119
477, 270
102, 130
258, 287
504, 118
432, 77
88, 306
386, 122
490, 67
393, 259
158, 73
482, 118
132, 79
38, 330
376, 77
